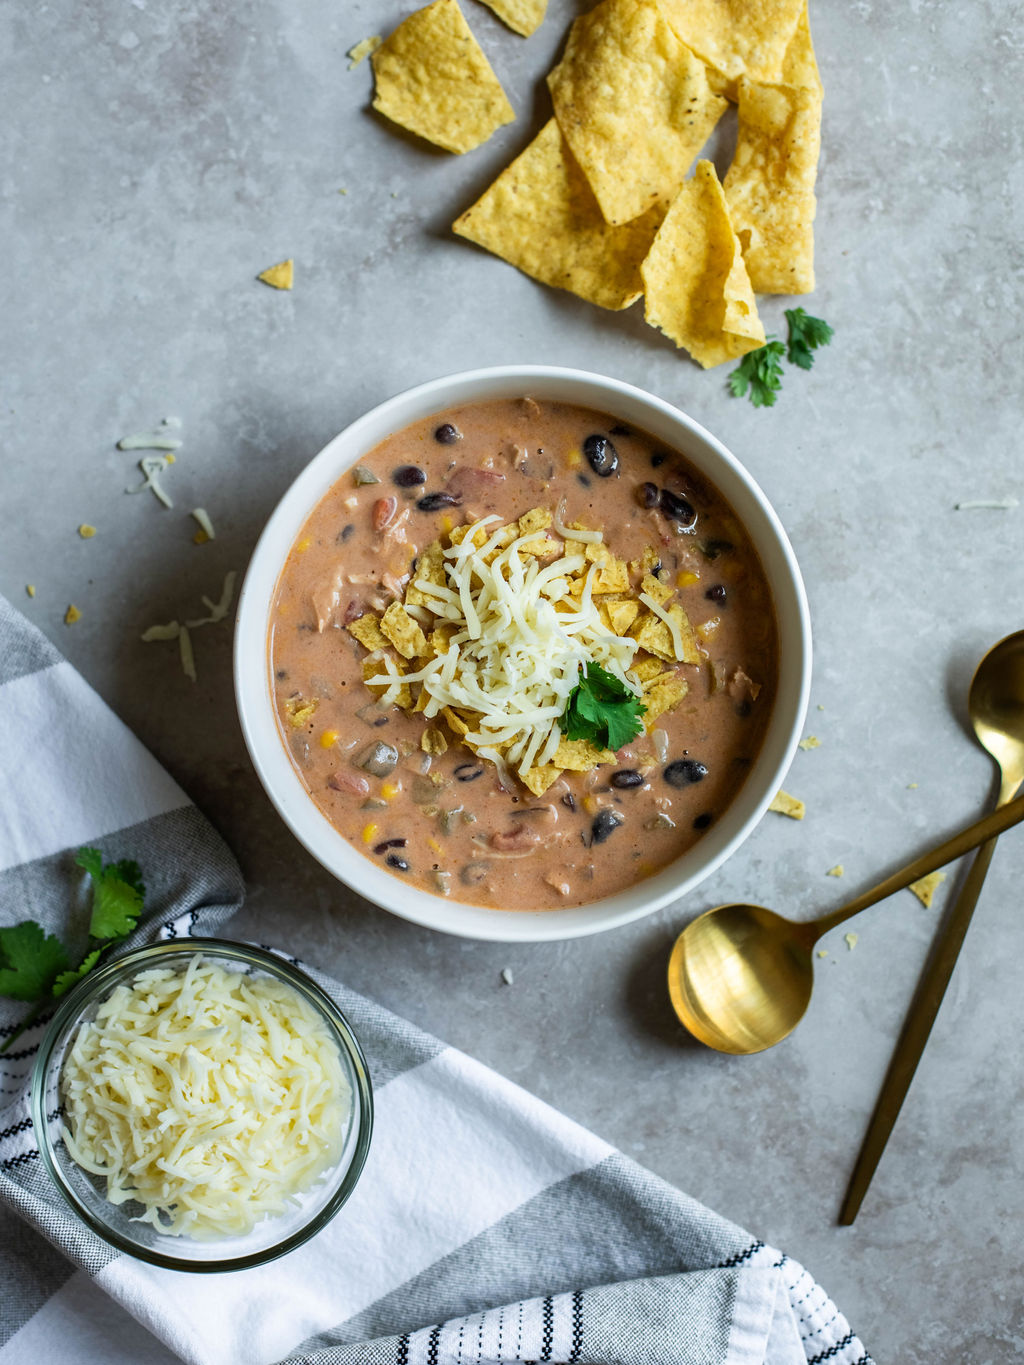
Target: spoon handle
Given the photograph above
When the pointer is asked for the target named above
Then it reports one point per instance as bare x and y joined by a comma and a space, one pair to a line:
1001, 819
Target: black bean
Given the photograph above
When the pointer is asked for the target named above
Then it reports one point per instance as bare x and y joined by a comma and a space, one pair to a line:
447, 434
582, 478
345, 532
647, 495
626, 777
282, 672
569, 801
714, 548
382, 720
658, 459
408, 476
684, 771
744, 707
389, 843
703, 820
716, 593
399, 864
468, 772
433, 502
601, 455
619, 430
677, 508
605, 821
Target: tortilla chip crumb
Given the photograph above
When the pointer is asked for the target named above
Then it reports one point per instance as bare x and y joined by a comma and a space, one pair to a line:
72, 615
784, 804
851, 941
811, 742
911, 786
86, 531
362, 50
836, 871
925, 887
280, 276
823, 952
30, 588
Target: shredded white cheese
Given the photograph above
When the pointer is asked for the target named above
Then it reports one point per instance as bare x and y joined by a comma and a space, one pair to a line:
152, 467
211, 1097
522, 642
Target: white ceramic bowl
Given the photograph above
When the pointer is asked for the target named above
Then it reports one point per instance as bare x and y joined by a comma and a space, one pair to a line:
252, 669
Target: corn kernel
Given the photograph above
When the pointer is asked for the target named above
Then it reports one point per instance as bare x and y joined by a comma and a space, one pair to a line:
390, 790
169, 457
86, 531
686, 579
447, 524
435, 845
328, 739
304, 543
574, 459
590, 805
369, 833
708, 629
200, 537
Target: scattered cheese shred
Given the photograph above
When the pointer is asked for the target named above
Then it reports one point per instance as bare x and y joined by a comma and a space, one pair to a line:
174, 630
211, 1097
160, 439
851, 941
217, 610
206, 531
152, 467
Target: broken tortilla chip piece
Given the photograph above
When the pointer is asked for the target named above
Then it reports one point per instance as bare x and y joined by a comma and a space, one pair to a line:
800, 66
736, 37
539, 779
579, 755
784, 804
634, 106
362, 50
433, 78
404, 633
769, 187
697, 288
925, 887
367, 631
280, 276
521, 16
541, 216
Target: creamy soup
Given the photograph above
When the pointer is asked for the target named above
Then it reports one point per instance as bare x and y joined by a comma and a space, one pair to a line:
434, 637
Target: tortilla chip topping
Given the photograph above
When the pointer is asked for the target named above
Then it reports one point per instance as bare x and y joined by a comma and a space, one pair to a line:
433, 78
497, 626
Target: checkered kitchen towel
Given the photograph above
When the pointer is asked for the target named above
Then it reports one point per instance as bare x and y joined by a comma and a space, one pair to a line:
481, 1210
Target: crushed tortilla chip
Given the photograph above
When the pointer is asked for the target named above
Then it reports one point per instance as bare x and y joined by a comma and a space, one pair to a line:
925, 887
30, 588
300, 710
736, 37
404, 633
368, 632
811, 742
280, 276
432, 741
634, 106
784, 804
433, 78
851, 940
579, 755
836, 871
769, 187
361, 51
72, 615
538, 780
521, 16
541, 216
661, 696
697, 288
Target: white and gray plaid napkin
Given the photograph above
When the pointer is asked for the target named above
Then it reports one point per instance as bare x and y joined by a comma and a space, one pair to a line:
486, 1226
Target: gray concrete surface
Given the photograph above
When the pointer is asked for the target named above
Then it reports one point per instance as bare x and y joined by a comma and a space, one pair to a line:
158, 156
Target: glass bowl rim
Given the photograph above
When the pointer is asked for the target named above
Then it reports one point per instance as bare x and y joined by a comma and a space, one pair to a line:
93, 986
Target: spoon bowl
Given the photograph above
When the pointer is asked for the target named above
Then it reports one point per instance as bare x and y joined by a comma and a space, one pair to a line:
740, 976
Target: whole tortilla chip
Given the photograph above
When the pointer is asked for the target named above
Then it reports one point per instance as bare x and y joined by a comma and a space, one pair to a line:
634, 106
541, 216
433, 78
736, 37
521, 16
800, 66
770, 185
697, 288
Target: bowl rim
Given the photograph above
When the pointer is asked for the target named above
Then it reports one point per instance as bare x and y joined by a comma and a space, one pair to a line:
252, 681
101, 979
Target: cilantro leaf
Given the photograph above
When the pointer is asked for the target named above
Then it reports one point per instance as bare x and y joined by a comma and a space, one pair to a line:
759, 374
806, 334
66, 980
30, 960
117, 893
602, 709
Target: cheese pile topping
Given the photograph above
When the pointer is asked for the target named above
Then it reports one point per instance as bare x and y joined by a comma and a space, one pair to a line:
522, 640
211, 1097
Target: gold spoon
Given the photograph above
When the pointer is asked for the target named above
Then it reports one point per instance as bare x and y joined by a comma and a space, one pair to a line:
995, 704
740, 976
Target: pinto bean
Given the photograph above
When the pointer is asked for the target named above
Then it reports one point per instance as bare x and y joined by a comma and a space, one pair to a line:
384, 510
519, 840
343, 781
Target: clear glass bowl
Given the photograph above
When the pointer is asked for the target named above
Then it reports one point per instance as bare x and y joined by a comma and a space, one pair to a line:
85, 1193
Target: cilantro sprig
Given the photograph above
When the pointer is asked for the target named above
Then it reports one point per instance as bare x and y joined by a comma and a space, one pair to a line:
602, 709
759, 374
35, 965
